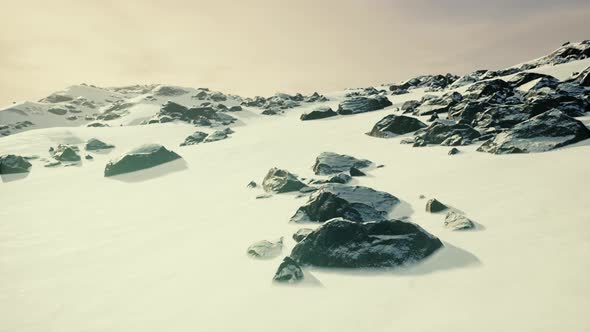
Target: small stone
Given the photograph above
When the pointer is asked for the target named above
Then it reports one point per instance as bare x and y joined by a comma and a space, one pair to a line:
434, 206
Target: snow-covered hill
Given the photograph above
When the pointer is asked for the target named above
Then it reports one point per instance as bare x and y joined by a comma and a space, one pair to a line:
165, 248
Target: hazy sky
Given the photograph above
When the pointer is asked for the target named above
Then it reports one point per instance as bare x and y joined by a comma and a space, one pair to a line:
263, 46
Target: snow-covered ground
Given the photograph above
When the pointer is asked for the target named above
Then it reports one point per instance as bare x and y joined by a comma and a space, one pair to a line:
165, 249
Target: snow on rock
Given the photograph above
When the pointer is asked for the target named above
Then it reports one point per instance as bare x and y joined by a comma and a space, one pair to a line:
544, 132
357, 105
145, 156
347, 244
281, 181
330, 163
393, 125
354, 203
266, 249
288, 272
456, 221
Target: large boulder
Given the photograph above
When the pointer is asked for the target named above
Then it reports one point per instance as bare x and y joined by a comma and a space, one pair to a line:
331, 163
145, 156
347, 244
547, 131
12, 164
266, 249
195, 138
354, 203
96, 144
281, 181
356, 105
392, 125
318, 113
288, 272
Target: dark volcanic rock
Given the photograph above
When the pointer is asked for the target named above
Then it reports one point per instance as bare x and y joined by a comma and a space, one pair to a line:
281, 181
453, 151
544, 132
195, 138
357, 105
96, 144
456, 221
432, 104
356, 172
526, 77
347, 244
57, 111
12, 164
351, 202
301, 234
341, 178
66, 153
97, 124
392, 125
217, 135
433, 206
447, 134
330, 163
266, 249
252, 184
288, 272
145, 156
318, 113
409, 106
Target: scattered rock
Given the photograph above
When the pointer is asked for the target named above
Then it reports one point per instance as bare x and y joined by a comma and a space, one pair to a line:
456, 221
434, 206
301, 234
318, 113
195, 138
341, 178
289, 272
544, 132
453, 151
392, 125
330, 163
354, 203
96, 144
347, 244
67, 153
217, 135
13, 164
57, 111
266, 249
357, 105
281, 181
143, 157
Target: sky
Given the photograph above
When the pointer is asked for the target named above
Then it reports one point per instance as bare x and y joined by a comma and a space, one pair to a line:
259, 47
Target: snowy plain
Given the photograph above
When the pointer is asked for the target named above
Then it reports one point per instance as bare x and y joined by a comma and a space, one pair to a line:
165, 249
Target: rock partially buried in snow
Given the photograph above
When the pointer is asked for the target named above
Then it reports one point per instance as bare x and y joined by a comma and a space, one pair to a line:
354, 203
217, 135
544, 132
143, 157
301, 234
456, 221
266, 249
288, 272
393, 125
318, 113
357, 105
356, 172
341, 178
195, 138
453, 151
13, 164
347, 244
448, 134
330, 163
433, 206
281, 181
96, 144
66, 153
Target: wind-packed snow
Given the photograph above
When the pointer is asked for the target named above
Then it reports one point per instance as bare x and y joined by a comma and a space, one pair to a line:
165, 249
